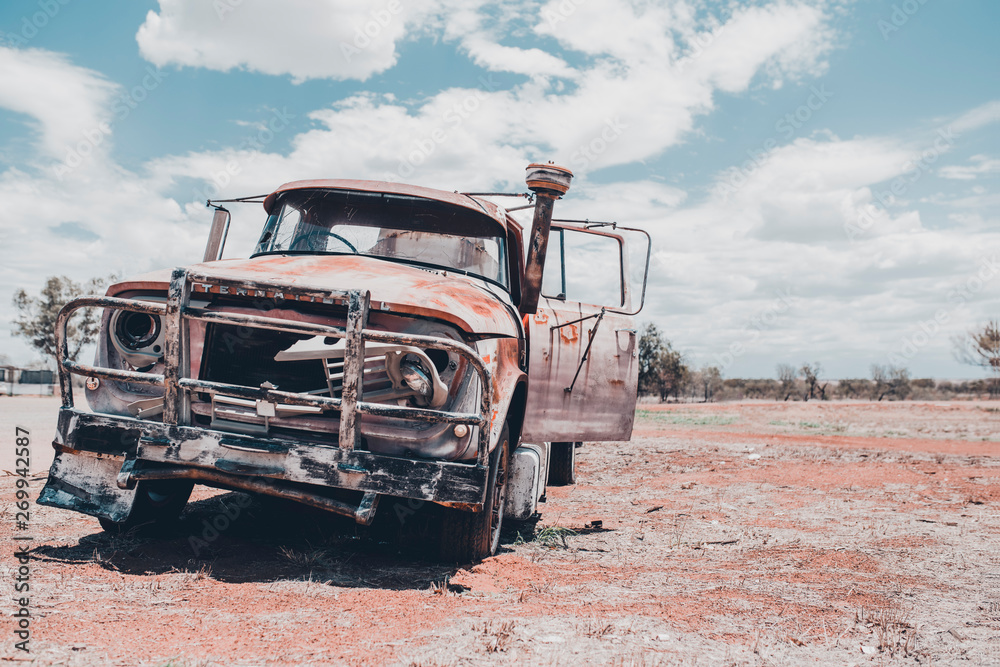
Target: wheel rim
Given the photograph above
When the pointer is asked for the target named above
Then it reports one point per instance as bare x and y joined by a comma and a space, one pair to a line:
158, 498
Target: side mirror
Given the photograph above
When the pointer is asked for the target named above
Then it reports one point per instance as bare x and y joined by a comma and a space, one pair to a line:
217, 235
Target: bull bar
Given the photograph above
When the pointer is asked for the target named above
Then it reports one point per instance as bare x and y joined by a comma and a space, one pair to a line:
343, 466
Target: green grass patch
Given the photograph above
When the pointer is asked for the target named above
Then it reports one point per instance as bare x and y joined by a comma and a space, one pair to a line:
821, 427
554, 537
687, 418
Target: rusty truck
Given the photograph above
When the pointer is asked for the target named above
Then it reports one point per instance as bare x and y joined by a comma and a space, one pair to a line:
381, 340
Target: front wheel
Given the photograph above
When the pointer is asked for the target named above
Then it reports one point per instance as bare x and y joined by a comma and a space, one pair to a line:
157, 504
472, 536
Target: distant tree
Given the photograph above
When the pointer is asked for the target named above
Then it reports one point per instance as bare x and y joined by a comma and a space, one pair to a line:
946, 387
661, 368
890, 381
765, 388
981, 347
36, 315
651, 344
786, 376
710, 381
854, 388
811, 376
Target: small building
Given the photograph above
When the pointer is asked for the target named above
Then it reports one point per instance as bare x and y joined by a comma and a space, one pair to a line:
16, 381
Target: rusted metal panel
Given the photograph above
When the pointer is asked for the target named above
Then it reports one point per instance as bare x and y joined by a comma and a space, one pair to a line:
85, 482
354, 358
363, 513
172, 354
601, 405
398, 288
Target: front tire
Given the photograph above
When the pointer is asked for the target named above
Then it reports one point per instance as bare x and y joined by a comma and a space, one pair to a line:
157, 504
472, 536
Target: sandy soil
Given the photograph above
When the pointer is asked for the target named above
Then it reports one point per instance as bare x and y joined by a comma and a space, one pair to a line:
733, 534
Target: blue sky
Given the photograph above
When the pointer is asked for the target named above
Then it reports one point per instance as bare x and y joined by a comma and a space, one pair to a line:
757, 142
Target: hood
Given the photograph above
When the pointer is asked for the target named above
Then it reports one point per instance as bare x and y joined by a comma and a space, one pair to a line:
398, 288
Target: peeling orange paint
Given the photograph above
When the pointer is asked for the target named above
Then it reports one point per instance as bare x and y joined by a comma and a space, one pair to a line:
569, 333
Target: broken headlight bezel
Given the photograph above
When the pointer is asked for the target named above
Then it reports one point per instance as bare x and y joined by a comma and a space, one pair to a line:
138, 338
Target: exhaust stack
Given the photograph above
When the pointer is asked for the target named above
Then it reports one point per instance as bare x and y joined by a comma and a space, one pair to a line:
217, 235
549, 183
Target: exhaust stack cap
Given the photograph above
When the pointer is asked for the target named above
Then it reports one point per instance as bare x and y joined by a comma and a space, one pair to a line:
548, 179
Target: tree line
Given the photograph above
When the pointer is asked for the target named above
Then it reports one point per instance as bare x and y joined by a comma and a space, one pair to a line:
664, 373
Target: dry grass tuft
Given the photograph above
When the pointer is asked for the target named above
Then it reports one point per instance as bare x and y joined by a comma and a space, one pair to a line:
498, 635
892, 628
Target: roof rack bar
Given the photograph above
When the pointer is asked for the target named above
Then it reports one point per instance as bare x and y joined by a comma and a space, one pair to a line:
526, 195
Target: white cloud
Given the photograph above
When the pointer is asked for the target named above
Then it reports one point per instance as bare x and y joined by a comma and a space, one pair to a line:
529, 62
307, 39
789, 39
979, 117
981, 165
65, 102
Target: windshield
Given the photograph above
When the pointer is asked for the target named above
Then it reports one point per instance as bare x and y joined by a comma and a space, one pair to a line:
401, 228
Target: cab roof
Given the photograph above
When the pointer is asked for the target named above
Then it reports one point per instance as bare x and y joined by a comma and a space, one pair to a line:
388, 187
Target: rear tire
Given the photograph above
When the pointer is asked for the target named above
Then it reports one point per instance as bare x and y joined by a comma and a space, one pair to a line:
157, 505
472, 536
562, 464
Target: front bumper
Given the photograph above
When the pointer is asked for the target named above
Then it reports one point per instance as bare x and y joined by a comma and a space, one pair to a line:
88, 477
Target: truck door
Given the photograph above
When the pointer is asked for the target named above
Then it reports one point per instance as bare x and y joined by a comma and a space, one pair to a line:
583, 365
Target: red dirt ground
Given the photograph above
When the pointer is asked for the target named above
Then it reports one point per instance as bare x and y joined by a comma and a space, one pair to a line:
744, 534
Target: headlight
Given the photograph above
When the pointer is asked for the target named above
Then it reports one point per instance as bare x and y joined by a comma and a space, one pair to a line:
413, 368
138, 337
416, 378
138, 331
